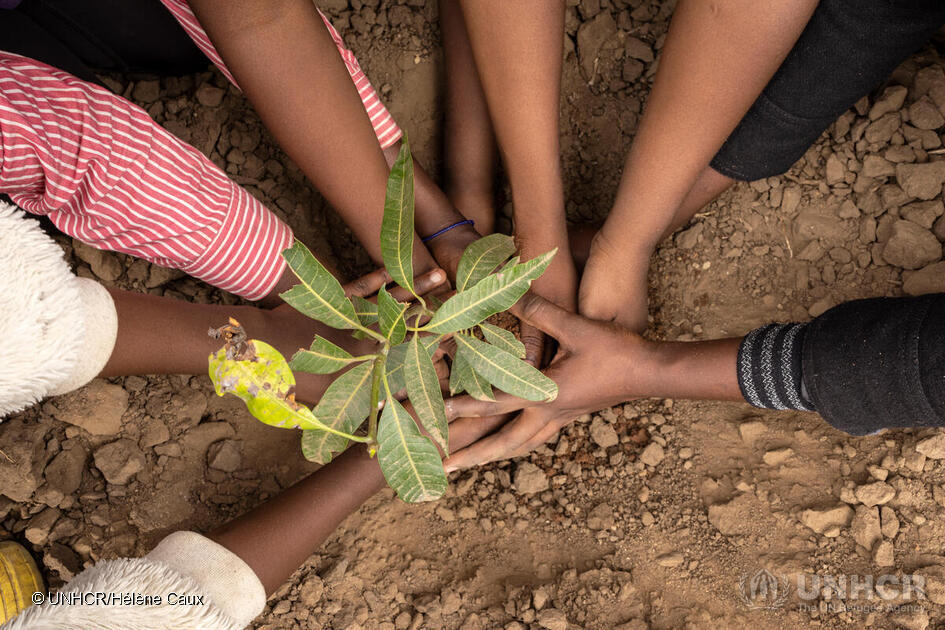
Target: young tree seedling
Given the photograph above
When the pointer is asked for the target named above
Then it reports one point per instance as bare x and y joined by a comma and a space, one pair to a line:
488, 280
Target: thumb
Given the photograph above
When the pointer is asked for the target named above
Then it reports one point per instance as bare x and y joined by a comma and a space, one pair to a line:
548, 317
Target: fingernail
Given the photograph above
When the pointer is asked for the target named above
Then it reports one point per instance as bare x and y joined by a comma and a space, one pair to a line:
437, 276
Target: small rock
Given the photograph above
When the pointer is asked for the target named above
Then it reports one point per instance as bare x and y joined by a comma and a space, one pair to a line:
933, 447
638, 49
603, 433
925, 115
590, 38
552, 619
119, 461
778, 456
881, 131
540, 598
225, 455
685, 453
64, 472
878, 473
153, 432
883, 554
159, 276
875, 493
146, 91
890, 522
732, 518
103, 264
835, 170
22, 460
530, 479
670, 560
923, 181
929, 279
97, 408
820, 520
911, 619
37, 530
876, 166
891, 100
601, 517
311, 590
653, 454
911, 247
865, 528
210, 95
62, 560
923, 213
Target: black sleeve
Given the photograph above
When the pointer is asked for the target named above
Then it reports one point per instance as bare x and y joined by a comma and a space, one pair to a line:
863, 365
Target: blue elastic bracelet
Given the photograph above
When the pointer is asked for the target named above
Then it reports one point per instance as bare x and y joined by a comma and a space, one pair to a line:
427, 239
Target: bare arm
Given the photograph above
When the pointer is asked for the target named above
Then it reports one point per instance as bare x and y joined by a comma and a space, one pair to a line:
288, 66
718, 57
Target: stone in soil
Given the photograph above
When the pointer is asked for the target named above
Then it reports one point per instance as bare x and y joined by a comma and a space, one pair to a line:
911, 246
103, 264
923, 213
822, 520
225, 455
209, 95
97, 408
865, 528
923, 181
876, 493
883, 554
64, 472
62, 560
590, 38
38, 528
552, 619
21, 461
119, 461
530, 479
603, 433
653, 454
929, 279
933, 447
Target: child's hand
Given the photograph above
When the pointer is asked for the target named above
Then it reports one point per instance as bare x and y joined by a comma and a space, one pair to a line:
598, 364
368, 285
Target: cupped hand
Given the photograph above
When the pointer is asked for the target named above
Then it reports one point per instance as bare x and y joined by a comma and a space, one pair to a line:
598, 364
612, 292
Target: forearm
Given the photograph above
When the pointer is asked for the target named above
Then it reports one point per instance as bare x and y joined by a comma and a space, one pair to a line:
517, 48
288, 66
276, 538
695, 370
717, 59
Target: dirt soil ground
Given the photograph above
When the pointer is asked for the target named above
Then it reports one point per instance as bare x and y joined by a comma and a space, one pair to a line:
648, 515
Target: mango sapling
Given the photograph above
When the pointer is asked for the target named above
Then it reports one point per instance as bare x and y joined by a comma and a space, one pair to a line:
406, 336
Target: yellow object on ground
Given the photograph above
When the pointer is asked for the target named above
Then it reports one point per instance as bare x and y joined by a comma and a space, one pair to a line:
19, 579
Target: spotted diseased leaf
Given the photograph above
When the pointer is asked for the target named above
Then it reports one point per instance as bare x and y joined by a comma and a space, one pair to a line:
343, 407
492, 294
464, 378
323, 357
365, 310
263, 380
481, 258
505, 371
397, 225
320, 295
423, 388
504, 339
390, 314
409, 460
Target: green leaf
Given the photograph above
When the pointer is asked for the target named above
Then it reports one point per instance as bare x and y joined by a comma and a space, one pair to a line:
264, 382
397, 357
323, 357
489, 296
504, 339
343, 407
365, 310
397, 225
467, 379
320, 295
409, 460
390, 313
506, 372
481, 258
423, 388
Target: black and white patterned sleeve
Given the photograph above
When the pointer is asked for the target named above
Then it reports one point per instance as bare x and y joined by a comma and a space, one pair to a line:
769, 367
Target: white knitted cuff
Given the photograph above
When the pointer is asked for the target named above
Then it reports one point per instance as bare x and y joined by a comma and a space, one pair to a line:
227, 580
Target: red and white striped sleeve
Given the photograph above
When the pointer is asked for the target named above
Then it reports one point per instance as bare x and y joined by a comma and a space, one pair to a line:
385, 127
107, 174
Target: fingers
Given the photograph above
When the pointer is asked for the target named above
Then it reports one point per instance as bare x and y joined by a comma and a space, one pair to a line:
469, 407
422, 284
547, 316
500, 445
534, 342
368, 284
465, 431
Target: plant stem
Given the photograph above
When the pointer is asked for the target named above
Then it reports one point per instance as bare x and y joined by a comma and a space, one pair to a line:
380, 364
